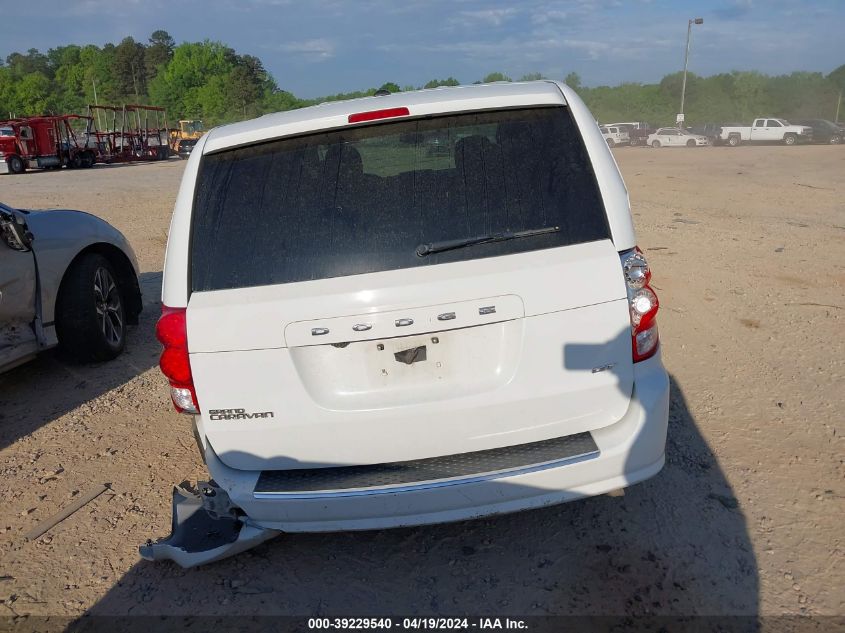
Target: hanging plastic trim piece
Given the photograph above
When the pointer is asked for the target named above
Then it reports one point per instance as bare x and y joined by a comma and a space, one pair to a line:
206, 528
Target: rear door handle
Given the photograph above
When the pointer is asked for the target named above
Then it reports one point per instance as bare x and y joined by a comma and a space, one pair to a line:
404, 322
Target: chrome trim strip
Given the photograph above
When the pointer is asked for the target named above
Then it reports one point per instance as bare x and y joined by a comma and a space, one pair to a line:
428, 485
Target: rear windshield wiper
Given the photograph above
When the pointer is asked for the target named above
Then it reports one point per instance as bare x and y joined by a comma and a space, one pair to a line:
448, 245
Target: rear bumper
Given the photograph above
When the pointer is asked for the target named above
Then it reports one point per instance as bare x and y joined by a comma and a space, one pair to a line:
630, 451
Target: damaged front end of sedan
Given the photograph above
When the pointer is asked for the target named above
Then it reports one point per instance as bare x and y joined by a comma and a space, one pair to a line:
206, 527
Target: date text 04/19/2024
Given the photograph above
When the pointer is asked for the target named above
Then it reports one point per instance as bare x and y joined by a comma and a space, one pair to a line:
414, 624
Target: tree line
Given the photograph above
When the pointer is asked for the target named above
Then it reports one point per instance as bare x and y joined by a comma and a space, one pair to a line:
210, 81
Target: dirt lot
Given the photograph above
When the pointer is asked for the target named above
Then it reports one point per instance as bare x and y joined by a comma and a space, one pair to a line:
748, 249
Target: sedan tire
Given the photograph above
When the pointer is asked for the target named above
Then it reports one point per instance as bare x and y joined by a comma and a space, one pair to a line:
90, 316
655, 144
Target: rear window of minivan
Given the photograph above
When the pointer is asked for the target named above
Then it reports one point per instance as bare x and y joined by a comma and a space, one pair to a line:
361, 200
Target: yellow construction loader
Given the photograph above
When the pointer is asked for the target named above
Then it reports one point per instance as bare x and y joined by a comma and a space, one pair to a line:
185, 136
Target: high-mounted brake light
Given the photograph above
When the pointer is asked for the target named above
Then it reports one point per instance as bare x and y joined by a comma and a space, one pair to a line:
642, 304
375, 115
175, 364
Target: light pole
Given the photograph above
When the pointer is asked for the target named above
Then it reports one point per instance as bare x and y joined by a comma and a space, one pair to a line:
680, 118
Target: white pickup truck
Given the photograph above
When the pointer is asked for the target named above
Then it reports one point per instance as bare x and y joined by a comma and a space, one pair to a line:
766, 131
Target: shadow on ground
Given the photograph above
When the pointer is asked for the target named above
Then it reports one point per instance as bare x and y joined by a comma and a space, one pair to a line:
28, 397
98, 166
677, 544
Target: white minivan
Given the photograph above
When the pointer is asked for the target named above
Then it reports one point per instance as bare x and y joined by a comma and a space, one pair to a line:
615, 135
369, 334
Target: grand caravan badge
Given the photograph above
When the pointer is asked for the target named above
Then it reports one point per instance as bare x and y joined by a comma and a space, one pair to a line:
237, 414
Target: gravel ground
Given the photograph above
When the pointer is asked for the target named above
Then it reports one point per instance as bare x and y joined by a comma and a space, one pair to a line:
747, 248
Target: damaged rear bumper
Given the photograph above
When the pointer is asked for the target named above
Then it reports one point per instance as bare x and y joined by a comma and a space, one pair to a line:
628, 451
206, 527
251, 507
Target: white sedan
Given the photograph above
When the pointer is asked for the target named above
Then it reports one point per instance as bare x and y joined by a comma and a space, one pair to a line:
676, 137
66, 278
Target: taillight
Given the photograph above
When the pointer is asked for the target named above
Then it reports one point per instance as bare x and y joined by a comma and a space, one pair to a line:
375, 115
175, 364
642, 304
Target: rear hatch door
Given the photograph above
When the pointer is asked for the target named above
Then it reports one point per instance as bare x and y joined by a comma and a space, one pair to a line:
319, 337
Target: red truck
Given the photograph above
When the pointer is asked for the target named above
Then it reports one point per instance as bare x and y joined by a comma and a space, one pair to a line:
42, 142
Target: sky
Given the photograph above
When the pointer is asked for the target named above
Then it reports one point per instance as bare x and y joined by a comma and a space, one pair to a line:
320, 47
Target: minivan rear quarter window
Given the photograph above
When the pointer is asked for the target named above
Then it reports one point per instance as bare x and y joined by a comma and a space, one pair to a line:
362, 199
